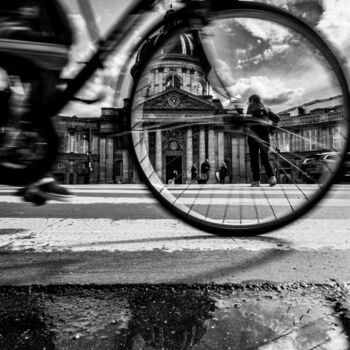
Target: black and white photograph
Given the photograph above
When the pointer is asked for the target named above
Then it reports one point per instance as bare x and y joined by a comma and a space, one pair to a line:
174, 174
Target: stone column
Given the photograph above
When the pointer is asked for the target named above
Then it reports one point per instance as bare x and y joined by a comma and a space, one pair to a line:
189, 154
102, 160
242, 158
158, 164
201, 145
71, 142
76, 143
221, 147
109, 159
211, 154
235, 159
125, 155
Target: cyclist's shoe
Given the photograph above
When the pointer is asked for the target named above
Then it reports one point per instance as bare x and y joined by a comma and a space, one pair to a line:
49, 189
34, 198
255, 184
44, 190
272, 181
31, 195
21, 192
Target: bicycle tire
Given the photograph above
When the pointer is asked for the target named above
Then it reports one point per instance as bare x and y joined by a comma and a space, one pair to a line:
31, 122
146, 167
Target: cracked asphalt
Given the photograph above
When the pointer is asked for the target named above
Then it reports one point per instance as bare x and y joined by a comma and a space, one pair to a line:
230, 316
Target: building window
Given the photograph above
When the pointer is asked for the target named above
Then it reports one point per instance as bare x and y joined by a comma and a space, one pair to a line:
118, 144
82, 146
201, 89
172, 81
310, 140
336, 138
297, 138
119, 168
274, 142
283, 142
62, 143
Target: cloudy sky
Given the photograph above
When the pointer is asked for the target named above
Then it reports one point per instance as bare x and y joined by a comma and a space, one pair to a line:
251, 55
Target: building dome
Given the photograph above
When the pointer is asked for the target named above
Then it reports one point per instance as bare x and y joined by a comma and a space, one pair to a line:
182, 44
181, 47
175, 63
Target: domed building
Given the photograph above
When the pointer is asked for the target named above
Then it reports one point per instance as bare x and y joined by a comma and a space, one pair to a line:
179, 64
173, 87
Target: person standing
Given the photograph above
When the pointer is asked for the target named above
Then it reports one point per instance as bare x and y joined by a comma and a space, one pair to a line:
194, 173
223, 172
205, 169
175, 176
259, 139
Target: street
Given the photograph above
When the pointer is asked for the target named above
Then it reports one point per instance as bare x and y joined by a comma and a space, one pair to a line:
120, 234
112, 269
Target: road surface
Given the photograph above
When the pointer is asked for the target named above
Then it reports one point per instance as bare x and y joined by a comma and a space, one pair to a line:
113, 270
120, 234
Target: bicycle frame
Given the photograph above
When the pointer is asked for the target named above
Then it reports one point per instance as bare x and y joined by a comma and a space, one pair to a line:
114, 40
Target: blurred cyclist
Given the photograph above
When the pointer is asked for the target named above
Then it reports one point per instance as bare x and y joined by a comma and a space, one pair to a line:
39, 22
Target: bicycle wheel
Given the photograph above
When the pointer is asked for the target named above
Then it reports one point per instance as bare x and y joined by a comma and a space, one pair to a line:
186, 108
28, 142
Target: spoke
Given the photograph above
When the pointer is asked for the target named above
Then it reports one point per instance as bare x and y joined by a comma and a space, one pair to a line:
255, 206
227, 206
270, 204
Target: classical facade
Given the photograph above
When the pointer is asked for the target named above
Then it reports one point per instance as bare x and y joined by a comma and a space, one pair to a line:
311, 128
174, 87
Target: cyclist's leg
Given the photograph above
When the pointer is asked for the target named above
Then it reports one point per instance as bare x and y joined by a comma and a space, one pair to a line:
254, 157
264, 146
43, 190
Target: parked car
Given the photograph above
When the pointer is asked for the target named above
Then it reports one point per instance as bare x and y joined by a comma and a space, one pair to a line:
324, 163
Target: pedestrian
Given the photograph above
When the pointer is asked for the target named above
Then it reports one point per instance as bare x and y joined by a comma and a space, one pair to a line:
205, 169
259, 138
175, 176
223, 172
194, 173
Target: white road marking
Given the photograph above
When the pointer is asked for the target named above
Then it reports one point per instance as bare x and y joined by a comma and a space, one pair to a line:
329, 202
57, 234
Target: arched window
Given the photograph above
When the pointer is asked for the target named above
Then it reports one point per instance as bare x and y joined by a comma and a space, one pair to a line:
201, 89
172, 81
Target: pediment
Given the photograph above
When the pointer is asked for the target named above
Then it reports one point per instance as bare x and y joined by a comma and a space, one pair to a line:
176, 99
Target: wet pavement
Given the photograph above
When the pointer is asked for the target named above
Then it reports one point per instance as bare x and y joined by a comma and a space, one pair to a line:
143, 317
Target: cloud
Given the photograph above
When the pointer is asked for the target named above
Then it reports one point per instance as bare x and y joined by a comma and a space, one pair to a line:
270, 38
273, 91
335, 24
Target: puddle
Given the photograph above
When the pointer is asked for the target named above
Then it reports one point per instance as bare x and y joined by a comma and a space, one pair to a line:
255, 316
